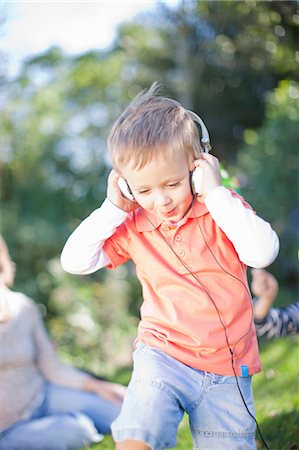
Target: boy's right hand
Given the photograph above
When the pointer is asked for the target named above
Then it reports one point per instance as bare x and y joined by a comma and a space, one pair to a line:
115, 196
211, 173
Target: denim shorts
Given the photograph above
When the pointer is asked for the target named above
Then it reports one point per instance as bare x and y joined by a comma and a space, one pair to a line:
65, 419
162, 389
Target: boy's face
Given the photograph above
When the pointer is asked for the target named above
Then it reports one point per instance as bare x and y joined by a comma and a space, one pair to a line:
162, 186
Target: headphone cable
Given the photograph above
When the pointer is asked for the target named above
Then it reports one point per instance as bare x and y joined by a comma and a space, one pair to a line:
242, 337
215, 306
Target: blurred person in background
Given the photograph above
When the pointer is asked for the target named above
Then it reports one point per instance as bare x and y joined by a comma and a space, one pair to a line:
271, 322
45, 404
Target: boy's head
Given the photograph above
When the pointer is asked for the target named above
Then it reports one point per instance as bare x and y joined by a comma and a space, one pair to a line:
152, 126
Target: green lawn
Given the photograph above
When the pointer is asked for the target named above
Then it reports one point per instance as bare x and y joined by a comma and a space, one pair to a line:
276, 392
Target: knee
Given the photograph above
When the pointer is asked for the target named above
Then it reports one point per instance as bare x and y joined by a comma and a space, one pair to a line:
131, 445
78, 431
60, 432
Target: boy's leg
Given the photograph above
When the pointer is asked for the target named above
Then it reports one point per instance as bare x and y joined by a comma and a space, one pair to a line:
220, 420
63, 400
60, 432
151, 411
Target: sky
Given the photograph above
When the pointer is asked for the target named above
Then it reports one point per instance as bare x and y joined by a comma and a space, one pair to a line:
30, 27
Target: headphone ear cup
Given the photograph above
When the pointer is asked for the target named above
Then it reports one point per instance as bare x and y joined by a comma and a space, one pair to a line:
196, 181
125, 189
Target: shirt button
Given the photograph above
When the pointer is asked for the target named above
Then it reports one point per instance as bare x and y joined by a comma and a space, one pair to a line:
178, 237
181, 253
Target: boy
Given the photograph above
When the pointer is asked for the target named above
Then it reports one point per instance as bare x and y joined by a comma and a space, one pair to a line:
196, 344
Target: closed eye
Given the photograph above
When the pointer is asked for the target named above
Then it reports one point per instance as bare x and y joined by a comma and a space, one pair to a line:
143, 191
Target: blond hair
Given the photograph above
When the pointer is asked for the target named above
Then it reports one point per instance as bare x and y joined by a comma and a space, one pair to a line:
149, 126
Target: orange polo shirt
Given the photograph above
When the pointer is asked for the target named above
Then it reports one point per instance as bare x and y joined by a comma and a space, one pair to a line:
178, 315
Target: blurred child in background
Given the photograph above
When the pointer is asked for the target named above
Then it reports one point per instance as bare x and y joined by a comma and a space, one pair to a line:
271, 322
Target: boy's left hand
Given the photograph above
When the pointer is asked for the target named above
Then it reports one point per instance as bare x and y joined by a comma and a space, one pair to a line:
211, 172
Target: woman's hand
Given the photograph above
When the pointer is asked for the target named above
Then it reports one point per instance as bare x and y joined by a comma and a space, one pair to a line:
113, 392
115, 196
211, 176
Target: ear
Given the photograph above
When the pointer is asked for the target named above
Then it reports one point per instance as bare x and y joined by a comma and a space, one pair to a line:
191, 166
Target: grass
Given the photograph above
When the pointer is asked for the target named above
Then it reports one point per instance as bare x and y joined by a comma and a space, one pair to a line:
276, 393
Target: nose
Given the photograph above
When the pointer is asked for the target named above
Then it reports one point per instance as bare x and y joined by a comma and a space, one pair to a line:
162, 198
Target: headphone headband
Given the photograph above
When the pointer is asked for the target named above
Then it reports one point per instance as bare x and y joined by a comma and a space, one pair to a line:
205, 138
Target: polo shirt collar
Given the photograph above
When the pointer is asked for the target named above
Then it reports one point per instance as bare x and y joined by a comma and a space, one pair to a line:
145, 221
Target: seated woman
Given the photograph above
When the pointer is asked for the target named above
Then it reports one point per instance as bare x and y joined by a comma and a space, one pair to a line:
271, 322
45, 404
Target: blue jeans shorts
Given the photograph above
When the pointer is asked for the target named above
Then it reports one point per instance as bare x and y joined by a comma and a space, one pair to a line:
162, 389
65, 419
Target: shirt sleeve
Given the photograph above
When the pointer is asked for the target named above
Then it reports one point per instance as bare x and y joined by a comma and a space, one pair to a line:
254, 240
83, 251
279, 322
48, 361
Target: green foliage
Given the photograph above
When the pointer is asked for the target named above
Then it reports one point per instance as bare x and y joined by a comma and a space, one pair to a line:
92, 318
269, 162
218, 58
53, 170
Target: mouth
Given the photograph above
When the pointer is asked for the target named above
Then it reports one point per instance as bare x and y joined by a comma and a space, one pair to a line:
169, 213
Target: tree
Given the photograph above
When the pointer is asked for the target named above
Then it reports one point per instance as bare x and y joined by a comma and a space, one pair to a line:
53, 173
219, 58
53, 169
269, 162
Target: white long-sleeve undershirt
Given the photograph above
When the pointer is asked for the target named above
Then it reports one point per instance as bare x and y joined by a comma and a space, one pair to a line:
82, 253
253, 238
